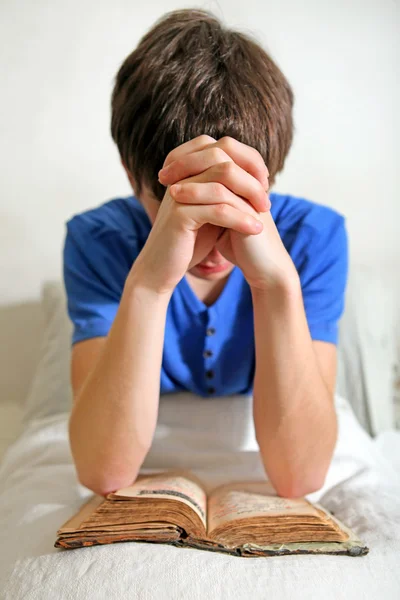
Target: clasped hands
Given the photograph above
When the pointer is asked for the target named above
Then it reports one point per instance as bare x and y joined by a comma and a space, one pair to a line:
227, 171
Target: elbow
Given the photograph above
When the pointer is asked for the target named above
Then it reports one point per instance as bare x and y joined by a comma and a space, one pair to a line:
103, 485
97, 486
107, 472
103, 478
295, 488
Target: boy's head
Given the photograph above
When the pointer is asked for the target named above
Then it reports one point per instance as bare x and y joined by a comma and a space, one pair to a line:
190, 75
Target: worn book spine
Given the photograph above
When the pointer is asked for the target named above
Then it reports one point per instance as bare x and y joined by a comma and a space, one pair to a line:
349, 548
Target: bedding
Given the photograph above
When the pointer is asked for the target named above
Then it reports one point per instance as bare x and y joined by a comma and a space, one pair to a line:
367, 352
214, 437
10, 425
50, 391
368, 348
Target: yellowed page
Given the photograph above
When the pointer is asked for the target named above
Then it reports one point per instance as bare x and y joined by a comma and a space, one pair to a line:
241, 500
86, 510
178, 485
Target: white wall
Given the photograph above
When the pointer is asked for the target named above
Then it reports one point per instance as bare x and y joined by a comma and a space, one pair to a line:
58, 61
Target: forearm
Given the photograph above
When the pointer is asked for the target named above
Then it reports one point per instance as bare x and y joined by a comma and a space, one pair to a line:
294, 414
115, 413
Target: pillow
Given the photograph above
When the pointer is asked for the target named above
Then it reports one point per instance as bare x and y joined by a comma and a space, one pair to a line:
50, 391
366, 353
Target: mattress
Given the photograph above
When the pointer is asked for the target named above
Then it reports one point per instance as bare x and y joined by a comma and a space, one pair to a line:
39, 491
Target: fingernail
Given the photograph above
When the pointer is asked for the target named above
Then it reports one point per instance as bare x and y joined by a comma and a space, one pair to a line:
258, 225
175, 189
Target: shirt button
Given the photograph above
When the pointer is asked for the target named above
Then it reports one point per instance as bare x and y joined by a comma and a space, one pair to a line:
210, 331
207, 353
209, 374
211, 390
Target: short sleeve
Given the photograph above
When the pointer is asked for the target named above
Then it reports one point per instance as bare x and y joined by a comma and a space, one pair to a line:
94, 269
324, 279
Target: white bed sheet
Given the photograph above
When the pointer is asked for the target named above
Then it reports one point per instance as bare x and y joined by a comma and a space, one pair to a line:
38, 492
10, 425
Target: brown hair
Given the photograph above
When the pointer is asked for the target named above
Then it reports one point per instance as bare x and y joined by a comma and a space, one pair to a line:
190, 75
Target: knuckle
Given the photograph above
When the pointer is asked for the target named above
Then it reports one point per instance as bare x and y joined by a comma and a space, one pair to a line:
218, 155
178, 163
226, 169
205, 138
194, 194
229, 166
218, 190
226, 142
221, 209
169, 158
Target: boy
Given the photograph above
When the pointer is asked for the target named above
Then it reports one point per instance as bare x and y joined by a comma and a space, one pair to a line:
217, 287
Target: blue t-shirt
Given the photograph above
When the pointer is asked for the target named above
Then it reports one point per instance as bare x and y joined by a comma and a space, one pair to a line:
208, 350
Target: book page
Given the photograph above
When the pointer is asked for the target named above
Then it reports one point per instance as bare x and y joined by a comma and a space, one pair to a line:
85, 511
241, 500
177, 485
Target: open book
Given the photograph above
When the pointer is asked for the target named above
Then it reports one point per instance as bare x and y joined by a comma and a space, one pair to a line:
241, 518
